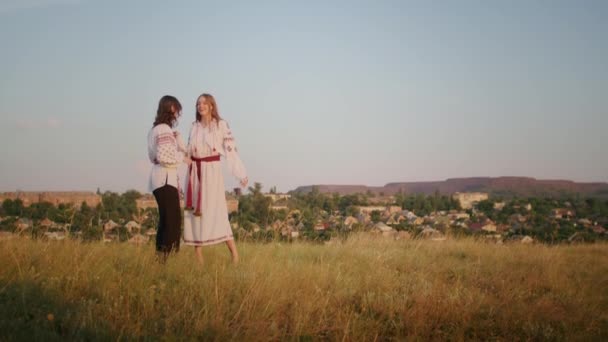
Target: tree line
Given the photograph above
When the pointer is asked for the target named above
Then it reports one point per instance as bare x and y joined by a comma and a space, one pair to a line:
255, 210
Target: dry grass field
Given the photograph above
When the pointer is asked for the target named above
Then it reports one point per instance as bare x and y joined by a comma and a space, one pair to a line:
362, 289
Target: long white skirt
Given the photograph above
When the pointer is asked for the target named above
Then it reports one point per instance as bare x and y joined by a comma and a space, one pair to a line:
212, 226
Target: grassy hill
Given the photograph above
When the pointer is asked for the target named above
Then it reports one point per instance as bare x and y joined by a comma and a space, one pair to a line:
362, 289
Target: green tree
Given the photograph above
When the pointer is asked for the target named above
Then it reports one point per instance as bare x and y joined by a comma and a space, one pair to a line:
64, 214
348, 201
13, 207
486, 207
261, 205
278, 215
329, 205
83, 218
40, 210
435, 200
400, 198
253, 208
119, 208
110, 202
376, 216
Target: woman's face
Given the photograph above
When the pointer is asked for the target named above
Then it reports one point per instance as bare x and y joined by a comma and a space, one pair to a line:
202, 106
177, 113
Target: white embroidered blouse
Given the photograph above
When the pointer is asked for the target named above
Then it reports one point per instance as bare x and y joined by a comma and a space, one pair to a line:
216, 139
163, 152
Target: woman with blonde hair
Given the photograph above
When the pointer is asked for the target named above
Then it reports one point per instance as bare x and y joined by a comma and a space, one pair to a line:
206, 215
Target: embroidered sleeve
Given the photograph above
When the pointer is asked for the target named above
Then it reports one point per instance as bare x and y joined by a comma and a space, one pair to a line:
235, 164
166, 148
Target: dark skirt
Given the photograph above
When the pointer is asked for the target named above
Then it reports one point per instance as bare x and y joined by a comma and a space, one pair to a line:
170, 221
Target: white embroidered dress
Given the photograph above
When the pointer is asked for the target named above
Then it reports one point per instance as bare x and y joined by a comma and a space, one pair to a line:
208, 194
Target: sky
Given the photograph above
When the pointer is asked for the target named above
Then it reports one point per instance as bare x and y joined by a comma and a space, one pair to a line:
316, 92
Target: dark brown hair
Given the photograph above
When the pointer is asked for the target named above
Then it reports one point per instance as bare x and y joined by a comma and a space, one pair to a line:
167, 107
214, 112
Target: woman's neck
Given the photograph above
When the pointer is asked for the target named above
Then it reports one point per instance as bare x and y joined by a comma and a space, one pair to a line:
206, 119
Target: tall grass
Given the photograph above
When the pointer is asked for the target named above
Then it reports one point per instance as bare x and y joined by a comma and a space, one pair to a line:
362, 289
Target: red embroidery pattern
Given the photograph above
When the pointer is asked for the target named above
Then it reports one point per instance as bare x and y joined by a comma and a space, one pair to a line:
210, 240
166, 148
165, 138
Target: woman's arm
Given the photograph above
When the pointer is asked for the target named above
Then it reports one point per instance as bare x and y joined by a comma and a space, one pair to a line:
235, 164
166, 149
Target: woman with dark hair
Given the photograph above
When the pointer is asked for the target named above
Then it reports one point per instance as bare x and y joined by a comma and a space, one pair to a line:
206, 215
164, 146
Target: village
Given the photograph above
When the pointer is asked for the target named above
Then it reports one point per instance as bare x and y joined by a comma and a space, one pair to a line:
393, 221
287, 217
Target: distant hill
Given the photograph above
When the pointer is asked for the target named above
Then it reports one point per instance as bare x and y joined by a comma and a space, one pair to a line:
503, 186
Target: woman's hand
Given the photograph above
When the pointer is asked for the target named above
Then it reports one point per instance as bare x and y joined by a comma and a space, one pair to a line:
187, 160
244, 182
181, 147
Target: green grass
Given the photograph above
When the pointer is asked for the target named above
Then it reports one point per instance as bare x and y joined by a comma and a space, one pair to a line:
364, 289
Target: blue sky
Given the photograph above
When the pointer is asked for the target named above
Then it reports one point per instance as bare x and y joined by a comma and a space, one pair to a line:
316, 92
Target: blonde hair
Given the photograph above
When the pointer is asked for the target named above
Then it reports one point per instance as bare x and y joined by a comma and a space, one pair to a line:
214, 112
